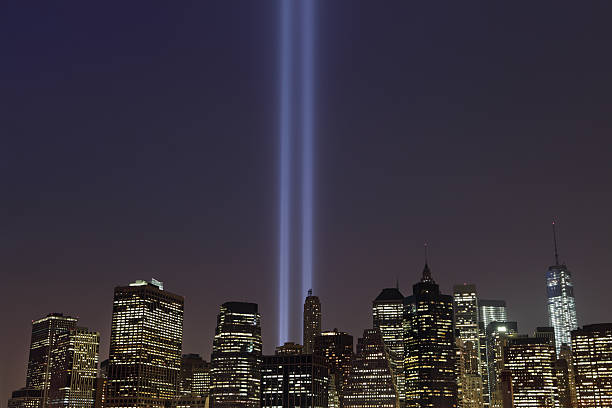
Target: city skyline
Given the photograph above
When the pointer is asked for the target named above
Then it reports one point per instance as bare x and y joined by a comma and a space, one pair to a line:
142, 142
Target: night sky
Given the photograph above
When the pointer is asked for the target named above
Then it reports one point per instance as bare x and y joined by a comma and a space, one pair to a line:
139, 140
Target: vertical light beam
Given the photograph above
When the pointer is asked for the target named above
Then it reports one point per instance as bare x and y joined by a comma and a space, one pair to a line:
285, 58
307, 122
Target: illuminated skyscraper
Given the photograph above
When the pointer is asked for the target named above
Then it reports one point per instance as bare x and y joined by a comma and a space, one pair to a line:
498, 335
592, 353
429, 341
388, 317
488, 311
531, 362
492, 311
469, 381
312, 321
465, 306
337, 349
145, 346
74, 368
45, 334
298, 380
370, 382
561, 304
236, 357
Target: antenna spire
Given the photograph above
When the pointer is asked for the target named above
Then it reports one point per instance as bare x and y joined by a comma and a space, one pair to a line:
425, 249
555, 242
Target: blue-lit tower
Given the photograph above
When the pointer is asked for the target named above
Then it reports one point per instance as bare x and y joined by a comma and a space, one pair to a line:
561, 304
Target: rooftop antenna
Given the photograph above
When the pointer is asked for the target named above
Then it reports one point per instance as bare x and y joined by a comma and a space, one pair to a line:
425, 249
555, 242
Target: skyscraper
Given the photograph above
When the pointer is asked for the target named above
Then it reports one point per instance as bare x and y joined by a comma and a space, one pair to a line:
465, 306
45, 334
236, 357
370, 382
531, 361
561, 304
429, 356
74, 368
312, 321
489, 311
145, 346
388, 317
498, 335
469, 381
492, 311
337, 349
298, 380
592, 353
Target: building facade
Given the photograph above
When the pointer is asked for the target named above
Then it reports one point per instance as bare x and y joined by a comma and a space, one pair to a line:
145, 346
592, 354
489, 311
492, 311
336, 348
236, 357
498, 335
370, 382
312, 321
388, 318
25, 398
531, 363
298, 380
429, 341
45, 334
74, 369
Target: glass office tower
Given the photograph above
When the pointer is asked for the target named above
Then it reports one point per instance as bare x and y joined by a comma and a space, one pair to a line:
145, 346
236, 357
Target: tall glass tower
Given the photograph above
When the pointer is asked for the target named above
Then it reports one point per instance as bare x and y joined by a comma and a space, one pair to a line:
561, 304
388, 317
236, 357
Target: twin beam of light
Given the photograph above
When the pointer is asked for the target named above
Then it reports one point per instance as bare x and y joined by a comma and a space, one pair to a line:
285, 170
306, 11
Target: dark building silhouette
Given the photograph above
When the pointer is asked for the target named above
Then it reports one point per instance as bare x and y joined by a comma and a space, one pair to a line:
290, 349
26, 398
294, 380
429, 364
194, 381
45, 334
312, 321
337, 349
388, 317
236, 357
145, 346
592, 354
74, 368
371, 380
